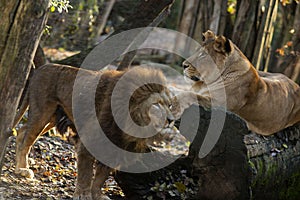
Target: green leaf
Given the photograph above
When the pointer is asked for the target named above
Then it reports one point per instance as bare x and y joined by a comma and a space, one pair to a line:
15, 133
251, 164
231, 9
52, 9
180, 187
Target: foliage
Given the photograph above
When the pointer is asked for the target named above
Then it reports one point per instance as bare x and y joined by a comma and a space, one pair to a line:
231, 7
47, 29
73, 29
286, 49
60, 5
285, 2
293, 188
173, 186
171, 22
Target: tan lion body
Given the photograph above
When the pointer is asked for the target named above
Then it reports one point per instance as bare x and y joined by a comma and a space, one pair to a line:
268, 102
52, 86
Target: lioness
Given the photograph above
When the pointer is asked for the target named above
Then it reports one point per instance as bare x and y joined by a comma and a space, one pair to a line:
52, 85
268, 102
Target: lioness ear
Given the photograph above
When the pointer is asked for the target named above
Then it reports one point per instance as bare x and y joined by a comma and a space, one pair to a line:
208, 36
223, 45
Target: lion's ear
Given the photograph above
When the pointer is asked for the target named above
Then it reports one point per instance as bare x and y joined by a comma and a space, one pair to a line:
223, 45
208, 36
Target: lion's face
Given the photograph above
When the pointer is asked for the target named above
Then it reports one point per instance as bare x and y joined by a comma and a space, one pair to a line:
209, 61
154, 115
154, 111
159, 111
149, 106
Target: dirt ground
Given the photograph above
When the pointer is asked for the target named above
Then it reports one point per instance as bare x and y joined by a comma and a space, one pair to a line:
54, 164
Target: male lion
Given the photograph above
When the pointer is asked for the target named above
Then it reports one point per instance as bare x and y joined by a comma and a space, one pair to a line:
268, 102
51, 87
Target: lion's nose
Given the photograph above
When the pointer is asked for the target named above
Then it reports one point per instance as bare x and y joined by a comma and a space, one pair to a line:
170, 123
170, 120
185, 65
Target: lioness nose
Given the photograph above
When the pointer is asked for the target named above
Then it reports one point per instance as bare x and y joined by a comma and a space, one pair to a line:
185, 65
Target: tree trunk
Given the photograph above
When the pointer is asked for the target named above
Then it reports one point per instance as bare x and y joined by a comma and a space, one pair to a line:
186, 25
128, 58
263, 33
269, 38
214, 24
284, 23
203, 18
242, 165
223, 18
22, 23
104, 17
292, 61
188, 15
244, 26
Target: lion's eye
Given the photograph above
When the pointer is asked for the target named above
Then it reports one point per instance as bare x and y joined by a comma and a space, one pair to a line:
156, 105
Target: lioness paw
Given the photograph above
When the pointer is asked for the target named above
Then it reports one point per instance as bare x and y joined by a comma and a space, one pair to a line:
205, 102
175, 108
181, 102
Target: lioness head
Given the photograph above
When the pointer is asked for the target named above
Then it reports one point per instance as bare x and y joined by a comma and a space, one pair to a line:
210, 61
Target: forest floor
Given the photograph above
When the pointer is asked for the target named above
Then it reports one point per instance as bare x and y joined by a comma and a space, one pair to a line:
54, 164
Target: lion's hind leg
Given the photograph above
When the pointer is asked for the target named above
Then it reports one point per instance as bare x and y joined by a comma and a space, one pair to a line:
101, 174
88, 184
39, 120
85, 165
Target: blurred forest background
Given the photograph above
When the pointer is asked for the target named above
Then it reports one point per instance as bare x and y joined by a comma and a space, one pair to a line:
267, 31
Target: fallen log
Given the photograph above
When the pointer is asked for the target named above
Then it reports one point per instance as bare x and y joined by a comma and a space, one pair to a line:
275, 164
242, 165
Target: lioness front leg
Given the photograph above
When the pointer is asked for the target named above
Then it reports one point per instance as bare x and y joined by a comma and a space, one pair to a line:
185, 99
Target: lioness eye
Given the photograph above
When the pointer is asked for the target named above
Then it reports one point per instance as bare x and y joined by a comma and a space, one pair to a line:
201, 55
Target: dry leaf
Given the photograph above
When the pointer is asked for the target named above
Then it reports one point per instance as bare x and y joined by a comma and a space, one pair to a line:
280, 51
289, 43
